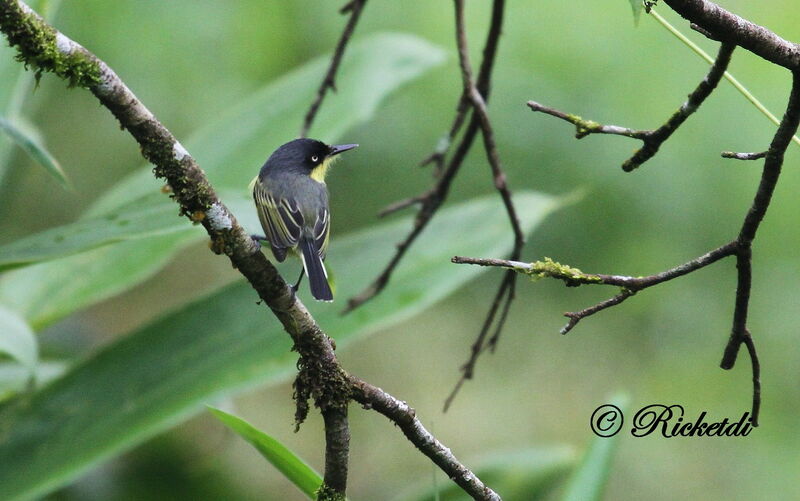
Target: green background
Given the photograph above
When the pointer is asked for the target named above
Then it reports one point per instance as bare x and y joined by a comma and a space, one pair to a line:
189, 61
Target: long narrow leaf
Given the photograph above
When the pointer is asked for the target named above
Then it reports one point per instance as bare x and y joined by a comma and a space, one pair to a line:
164, 373
16, 82
293, 468
43, 293
17, 339
15, 377
26, 138
139, 219
589, 481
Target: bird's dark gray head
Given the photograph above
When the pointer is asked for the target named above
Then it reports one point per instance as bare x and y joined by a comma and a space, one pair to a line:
305, 155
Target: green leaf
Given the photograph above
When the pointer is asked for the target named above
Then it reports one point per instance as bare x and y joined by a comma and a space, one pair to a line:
146, 217
46, 292
230, 150
589, 481
16, 82
17, 339
526, 475
140, 218
637, 6
28, 138
292, 467
164, 372
15, 378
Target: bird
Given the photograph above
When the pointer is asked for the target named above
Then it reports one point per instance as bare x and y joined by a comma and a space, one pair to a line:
291, 199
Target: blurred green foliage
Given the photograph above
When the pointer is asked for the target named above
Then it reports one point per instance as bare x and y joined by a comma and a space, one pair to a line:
191, 62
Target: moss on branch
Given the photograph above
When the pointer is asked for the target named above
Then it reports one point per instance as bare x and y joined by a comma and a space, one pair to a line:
38, 47
573, 277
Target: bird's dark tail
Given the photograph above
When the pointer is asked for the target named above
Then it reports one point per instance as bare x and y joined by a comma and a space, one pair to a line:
315, 269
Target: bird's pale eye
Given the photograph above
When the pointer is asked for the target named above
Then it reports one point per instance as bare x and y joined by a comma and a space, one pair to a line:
315, 159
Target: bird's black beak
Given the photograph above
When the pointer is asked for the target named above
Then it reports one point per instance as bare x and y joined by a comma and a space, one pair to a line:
340, 148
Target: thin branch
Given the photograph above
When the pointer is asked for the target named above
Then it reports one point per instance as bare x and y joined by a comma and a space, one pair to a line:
403, 416
704, 32
506, 291
773, 163
573, 276
355, 7
744, 156
651, 139
741, 247
400, 205
756, 370
730, 78
577, 316
480, 344
483, 84
728, 26
320, 376
585, 127
435, 197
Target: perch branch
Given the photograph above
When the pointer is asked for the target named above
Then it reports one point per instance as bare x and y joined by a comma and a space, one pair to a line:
651, 139
320, 376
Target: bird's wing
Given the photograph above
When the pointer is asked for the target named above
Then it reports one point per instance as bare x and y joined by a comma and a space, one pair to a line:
280, 218
322, 231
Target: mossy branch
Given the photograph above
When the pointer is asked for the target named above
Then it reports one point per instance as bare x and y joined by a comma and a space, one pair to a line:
43, 49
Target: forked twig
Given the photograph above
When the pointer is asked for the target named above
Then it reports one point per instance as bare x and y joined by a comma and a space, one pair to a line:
651, 139
433, 198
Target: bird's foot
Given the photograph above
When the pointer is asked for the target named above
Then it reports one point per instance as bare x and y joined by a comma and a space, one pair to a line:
257, 239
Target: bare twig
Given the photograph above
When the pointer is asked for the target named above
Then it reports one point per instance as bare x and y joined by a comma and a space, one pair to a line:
756, 370
651, 139
405, 417
400, 205
585, 127
573, 277
744, 34
577, 316
744, 156
704, 32
506, 292
773, 163
329, 81
483, 85
320, 376
480, 344
629, 285
435, 197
